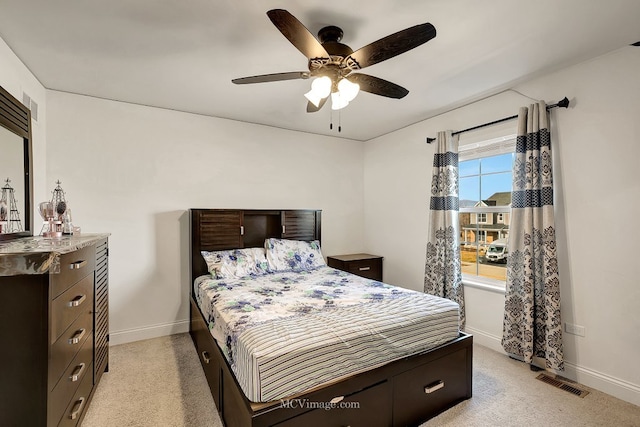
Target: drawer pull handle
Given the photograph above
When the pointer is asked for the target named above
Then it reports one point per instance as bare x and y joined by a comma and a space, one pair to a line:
284, 229
337, 399
242, 230
77, 408
364, 268
434, 387
205, 357
75, 339
77, 301
77, 265
77, 373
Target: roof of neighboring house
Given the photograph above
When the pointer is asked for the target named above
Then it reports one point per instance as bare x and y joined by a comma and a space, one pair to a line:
499, 199
464, 203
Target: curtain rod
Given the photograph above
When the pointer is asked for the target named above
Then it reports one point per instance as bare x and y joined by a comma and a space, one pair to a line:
564, 103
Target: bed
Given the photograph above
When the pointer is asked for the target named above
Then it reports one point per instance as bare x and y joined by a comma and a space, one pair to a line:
410, 377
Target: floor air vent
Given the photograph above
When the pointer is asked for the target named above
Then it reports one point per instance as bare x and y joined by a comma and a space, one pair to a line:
562, 384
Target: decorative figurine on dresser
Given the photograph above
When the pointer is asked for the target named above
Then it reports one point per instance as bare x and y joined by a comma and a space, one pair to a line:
54, 311
56, 215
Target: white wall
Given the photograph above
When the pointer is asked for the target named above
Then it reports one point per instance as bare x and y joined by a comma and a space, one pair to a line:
133, 171
596, 146
16, 78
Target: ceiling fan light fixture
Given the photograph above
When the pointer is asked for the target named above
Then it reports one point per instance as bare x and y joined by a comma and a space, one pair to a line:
338, 101
320, 89
348, 90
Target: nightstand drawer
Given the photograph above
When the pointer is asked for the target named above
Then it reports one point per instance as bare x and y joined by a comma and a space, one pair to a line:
73, 267
365, 265
369, 268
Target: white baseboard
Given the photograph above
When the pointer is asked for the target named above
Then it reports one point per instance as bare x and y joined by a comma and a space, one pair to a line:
607, 384
148, 332
486, 340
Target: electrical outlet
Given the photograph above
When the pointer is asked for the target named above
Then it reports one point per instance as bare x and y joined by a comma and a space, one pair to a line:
572, 329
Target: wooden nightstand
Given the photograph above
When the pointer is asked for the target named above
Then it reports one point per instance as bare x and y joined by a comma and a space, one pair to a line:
365, 265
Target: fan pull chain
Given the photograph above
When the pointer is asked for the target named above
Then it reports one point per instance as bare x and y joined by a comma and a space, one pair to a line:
339, 121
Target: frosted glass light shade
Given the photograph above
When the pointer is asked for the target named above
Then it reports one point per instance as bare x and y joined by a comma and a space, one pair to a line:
338, 101
348, 90
320, 88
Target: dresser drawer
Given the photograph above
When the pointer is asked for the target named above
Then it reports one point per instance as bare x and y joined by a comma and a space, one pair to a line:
67, 346
73, 267
67, 307
62, 393
78, 405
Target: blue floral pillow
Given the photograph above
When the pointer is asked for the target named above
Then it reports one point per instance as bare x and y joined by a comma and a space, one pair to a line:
236, 263
293, 255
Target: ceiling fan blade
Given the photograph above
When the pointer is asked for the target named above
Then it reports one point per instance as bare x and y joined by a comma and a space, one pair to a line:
311, 108
377, 86
391, 46
297, 34
272, 77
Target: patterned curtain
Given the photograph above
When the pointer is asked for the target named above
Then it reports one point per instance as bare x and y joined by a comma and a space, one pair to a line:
442, 274
532, 325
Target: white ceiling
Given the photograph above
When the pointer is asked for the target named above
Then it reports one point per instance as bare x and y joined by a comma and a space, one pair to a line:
182, 55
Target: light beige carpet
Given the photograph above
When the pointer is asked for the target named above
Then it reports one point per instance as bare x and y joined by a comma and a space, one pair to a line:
160, 383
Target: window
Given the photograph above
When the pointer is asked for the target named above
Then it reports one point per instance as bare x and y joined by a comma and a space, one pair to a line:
485, 206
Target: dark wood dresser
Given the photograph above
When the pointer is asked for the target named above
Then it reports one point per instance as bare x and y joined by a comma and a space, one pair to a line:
54, 328
365, 265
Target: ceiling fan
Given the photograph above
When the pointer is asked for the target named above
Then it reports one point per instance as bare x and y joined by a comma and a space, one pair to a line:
333, 63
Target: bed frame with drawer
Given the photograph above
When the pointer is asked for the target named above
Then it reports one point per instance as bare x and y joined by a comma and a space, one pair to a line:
404, 392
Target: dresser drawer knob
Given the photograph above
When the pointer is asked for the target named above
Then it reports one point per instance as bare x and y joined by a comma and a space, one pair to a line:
77, 373
205, 357
364, 268
77, 265
77, 301
77, 408
75, 339
435, 386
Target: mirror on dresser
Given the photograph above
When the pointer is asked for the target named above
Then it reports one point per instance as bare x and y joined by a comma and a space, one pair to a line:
16, 214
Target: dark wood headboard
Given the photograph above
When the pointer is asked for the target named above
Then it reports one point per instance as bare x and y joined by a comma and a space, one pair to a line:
224, 229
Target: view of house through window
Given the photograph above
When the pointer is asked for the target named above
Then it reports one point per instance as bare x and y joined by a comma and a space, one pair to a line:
485, 205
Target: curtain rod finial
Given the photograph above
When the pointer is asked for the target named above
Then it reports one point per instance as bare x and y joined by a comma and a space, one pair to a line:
564, 102
430, 140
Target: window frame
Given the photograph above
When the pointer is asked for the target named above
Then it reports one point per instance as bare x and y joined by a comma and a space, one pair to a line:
475, 280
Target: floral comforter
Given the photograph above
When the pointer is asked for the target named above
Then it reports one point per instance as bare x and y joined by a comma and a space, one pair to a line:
285, 332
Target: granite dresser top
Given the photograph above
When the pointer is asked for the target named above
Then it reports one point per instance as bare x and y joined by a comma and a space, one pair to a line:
37, 255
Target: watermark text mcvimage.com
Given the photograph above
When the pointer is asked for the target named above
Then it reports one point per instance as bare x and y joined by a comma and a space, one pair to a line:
335, 403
